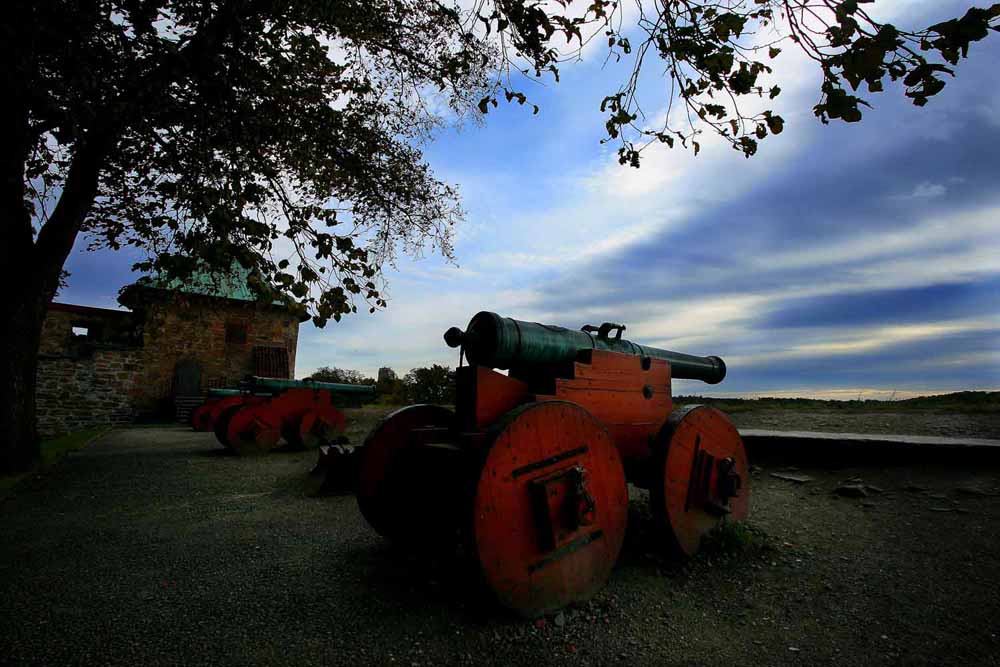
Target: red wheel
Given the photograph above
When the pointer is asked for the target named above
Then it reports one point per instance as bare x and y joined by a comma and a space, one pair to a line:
221, 426
205, 416
320, 426
380, 480
550, 508
253, 430
201, 416
223, 410
703, 476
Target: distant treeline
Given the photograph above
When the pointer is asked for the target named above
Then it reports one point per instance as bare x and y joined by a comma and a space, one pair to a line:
959, 402
431, 384
436, 384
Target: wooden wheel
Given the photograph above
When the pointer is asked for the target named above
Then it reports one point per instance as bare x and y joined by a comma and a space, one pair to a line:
253, 430
221, 426
382, 479
202, 417
550, 507
205, 417
701, 478
320, 426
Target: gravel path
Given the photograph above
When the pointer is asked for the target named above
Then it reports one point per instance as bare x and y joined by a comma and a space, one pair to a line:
151, 546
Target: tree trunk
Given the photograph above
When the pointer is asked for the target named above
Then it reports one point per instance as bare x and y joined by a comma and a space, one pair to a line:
20, 333
31, 258
30, 268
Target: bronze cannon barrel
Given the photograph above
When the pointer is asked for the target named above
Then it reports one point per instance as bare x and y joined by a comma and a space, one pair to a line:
502, 342
257, 383
222, 393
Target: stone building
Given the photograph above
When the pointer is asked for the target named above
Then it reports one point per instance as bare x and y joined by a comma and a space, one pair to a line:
87, 368
99, 366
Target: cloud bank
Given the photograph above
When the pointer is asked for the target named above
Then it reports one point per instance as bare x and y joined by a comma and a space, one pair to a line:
839, 260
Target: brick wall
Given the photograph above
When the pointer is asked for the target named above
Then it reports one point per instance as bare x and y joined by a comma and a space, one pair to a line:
106, 328
198, 331
124, 366
85, 379
84, 392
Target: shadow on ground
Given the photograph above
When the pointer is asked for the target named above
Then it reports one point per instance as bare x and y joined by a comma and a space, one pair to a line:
152, 547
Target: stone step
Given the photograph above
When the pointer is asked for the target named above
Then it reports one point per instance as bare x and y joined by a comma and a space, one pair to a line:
184, 405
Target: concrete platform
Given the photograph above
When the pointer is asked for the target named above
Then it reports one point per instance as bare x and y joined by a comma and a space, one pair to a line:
814, 445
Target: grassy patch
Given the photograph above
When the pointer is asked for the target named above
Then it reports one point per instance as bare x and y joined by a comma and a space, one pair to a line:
56, 448
158, 424
53, 450
731, 538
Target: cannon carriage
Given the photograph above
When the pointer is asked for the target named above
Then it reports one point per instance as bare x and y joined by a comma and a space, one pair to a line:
264, 411
203, 417
530, 472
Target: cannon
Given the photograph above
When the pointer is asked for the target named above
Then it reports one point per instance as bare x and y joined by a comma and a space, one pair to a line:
529, 474
306, 414
216, 402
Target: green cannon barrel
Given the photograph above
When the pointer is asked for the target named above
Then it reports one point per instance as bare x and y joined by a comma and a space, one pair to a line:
222, 393
257, 383
502, 342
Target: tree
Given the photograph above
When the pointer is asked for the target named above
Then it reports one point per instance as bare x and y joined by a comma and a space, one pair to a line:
340, 375
433, 384
389, 386
716, 54
283, 136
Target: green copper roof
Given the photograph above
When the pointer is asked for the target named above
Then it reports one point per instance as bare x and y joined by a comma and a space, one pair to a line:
232, 285
227, 286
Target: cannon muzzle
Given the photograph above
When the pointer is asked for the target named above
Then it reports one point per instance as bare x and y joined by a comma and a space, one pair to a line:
502, 342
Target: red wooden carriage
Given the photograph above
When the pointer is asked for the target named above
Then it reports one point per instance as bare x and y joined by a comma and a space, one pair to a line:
266, 411
529, 472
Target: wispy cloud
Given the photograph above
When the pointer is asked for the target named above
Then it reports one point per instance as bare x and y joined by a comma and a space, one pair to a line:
923, 190
839, 260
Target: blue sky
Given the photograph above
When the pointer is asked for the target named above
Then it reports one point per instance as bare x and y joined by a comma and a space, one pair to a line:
840, 260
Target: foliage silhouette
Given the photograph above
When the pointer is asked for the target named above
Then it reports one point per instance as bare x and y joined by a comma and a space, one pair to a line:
283, 137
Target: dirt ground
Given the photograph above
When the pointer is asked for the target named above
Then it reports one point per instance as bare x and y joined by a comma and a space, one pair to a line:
153, 546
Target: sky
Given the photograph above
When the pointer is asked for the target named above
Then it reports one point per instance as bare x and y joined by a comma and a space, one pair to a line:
841, 261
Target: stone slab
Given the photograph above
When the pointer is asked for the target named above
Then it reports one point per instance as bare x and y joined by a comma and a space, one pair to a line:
841, 446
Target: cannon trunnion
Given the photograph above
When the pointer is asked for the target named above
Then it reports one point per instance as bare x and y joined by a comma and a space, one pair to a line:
530, 471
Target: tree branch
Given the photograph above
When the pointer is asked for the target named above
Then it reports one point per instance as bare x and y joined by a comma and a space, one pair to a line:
57, 236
